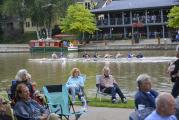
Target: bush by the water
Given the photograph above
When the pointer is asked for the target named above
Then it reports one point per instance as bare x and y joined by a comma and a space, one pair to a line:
17, 37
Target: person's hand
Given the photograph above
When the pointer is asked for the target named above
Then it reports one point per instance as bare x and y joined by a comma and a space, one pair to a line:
76, 85
107, 86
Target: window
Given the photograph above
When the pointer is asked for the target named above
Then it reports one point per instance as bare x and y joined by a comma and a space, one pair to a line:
27, 24
87, 5
33, 24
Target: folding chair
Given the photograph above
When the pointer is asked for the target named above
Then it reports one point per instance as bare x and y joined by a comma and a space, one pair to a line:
58, 101
82, 88
99, 92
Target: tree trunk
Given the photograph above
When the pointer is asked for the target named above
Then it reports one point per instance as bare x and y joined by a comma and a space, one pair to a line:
83, 36
37, 32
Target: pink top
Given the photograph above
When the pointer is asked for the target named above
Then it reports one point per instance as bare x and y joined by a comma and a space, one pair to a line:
107, 81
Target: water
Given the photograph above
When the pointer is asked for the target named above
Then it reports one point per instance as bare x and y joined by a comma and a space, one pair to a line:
125, 71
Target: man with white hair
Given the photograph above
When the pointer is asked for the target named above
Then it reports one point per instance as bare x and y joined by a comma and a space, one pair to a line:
165, 108
145, 97
109, 85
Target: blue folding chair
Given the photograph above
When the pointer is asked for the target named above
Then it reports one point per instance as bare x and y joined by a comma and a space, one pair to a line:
59, 102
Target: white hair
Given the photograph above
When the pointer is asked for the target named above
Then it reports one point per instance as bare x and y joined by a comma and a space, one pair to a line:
106, 68
162, 100
20, 74
143, 77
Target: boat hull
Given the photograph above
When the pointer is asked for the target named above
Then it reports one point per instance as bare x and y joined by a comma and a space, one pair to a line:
72, 48
48, 49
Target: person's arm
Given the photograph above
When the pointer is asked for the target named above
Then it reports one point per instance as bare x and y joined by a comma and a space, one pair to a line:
139, 99
81, 81
114, 81
22, 112
68, 82
71, 82
176, 69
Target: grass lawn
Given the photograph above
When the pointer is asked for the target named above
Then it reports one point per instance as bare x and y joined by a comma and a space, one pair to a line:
107, 103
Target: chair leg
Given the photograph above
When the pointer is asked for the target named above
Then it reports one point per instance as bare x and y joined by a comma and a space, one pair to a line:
61, 117
100, 97
77, 116
96, 96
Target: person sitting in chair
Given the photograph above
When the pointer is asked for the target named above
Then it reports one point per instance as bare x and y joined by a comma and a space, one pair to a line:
22, 76
109, 85
5, 109
145, 96
27, 109
75, 84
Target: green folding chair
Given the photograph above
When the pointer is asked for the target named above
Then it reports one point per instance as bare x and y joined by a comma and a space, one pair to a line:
99, 92
59, 102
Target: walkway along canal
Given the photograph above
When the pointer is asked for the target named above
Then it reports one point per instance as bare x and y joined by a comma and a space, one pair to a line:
115, 46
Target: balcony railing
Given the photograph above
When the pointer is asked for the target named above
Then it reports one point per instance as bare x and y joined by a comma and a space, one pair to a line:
142, 19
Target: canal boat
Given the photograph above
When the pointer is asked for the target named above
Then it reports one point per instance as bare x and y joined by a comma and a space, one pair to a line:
56, 44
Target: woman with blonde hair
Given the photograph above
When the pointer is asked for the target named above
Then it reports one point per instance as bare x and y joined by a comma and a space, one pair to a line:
75, 84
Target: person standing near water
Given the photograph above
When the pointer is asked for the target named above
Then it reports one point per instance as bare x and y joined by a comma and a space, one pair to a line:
174, 74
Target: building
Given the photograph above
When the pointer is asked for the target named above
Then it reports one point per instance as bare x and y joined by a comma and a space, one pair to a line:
94, 4
124, 19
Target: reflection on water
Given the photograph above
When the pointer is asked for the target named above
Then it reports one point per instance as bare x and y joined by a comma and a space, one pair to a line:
125, 71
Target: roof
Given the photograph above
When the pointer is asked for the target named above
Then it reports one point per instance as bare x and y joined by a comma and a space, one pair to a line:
100, 3
136, 4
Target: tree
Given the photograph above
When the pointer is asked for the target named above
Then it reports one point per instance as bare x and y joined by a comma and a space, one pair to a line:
16, 8
78, 19
173, 16
42, 12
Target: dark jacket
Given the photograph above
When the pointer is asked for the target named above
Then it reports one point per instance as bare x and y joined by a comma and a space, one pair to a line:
14, 85
174, 72
145, 99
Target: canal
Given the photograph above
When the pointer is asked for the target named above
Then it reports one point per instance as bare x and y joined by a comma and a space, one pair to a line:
46, 71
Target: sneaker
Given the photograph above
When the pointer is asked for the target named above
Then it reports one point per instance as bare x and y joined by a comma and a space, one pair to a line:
113, 100
84, 109
124, 100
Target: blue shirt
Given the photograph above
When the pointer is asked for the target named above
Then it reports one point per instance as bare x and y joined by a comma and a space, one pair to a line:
29, 110
146, 98
75, 81
155, 116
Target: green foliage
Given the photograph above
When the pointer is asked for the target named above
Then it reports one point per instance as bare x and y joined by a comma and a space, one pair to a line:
18, 38
78, 19
173, 16
42, 12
